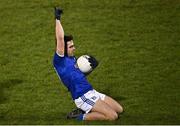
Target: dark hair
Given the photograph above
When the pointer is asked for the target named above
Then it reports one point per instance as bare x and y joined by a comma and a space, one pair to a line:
66, 39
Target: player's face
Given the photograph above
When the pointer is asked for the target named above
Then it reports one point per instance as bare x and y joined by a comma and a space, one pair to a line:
70, 48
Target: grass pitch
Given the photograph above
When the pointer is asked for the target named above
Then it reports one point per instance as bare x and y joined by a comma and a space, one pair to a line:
136, 42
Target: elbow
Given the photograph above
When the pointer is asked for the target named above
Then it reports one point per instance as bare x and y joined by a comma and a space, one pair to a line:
60, 38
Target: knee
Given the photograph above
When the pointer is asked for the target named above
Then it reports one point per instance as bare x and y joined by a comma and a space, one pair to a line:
112, 116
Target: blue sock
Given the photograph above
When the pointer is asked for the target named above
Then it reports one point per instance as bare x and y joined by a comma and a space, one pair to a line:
80, 117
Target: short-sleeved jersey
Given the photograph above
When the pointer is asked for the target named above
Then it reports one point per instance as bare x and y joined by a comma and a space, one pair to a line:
71, 76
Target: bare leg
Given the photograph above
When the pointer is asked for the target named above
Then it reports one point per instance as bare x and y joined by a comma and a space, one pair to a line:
113, 104
101, 111
95, 116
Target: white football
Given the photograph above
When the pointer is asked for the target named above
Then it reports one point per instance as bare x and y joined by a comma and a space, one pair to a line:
83, 64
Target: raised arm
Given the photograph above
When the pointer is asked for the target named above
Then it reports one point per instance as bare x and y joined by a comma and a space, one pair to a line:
59, 33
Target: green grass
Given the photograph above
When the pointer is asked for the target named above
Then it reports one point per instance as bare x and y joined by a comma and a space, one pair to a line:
136, 42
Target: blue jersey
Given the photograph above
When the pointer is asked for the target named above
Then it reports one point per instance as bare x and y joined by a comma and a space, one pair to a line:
71, 76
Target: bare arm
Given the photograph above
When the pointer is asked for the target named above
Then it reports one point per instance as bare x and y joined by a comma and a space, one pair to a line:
59, 32
59, 38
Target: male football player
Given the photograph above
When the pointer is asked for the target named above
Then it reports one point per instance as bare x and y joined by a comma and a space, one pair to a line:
96, 106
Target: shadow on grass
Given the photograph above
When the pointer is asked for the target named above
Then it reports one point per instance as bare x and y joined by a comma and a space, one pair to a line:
6, 85
34, 119
119, 98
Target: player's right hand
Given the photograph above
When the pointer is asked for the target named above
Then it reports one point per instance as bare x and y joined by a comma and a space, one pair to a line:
58, 13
